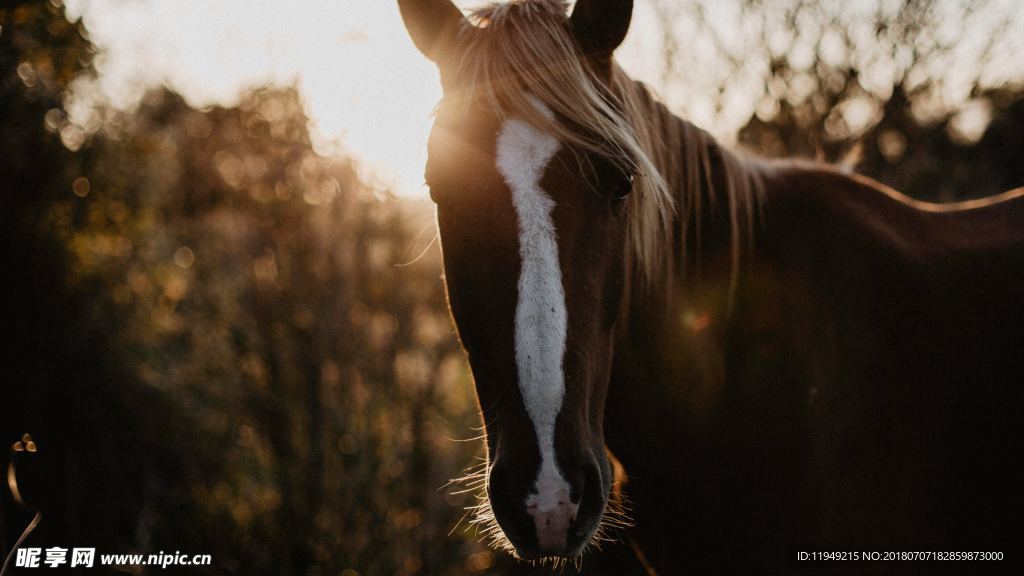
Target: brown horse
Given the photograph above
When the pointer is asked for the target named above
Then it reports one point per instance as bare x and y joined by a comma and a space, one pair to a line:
784, 357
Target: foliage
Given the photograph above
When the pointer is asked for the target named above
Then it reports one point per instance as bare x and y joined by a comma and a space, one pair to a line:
914, 93
222, 354
254, 285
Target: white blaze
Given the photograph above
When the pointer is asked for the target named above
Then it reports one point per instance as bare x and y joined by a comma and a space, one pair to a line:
523, 153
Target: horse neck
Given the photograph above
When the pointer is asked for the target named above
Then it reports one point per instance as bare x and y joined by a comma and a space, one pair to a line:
718, 196
671, 340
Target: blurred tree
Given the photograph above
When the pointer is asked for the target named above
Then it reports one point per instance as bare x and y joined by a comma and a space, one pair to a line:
53, 384
211, 342
253, 284
903, 89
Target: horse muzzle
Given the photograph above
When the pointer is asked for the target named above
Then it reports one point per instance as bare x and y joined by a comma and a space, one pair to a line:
546, 518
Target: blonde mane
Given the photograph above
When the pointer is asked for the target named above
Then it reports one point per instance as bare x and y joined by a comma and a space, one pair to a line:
518, 52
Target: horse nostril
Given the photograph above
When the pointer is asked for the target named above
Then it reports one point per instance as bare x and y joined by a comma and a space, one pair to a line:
553, 525
592, 495
544, 514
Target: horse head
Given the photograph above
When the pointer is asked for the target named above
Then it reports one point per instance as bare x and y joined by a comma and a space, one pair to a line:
533, 167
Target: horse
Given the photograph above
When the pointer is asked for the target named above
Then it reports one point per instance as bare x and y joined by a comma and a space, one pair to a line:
765, 359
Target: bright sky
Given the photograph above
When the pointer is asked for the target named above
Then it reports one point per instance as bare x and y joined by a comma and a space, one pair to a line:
367, 90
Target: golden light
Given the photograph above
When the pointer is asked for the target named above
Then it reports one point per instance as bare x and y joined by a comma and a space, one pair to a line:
697, 321
184, 257
80, 187
367, 90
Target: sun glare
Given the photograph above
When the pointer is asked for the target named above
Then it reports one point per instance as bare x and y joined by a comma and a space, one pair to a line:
367, 91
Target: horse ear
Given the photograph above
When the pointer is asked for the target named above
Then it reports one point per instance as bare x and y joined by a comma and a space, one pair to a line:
601, 25
433, 25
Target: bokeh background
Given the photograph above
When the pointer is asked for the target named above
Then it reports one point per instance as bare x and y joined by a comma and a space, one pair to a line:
224, 329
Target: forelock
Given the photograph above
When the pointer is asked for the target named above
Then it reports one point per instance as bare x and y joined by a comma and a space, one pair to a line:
517, 53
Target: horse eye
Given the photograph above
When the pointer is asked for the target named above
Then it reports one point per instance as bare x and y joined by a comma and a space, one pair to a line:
608, 179
623, 188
